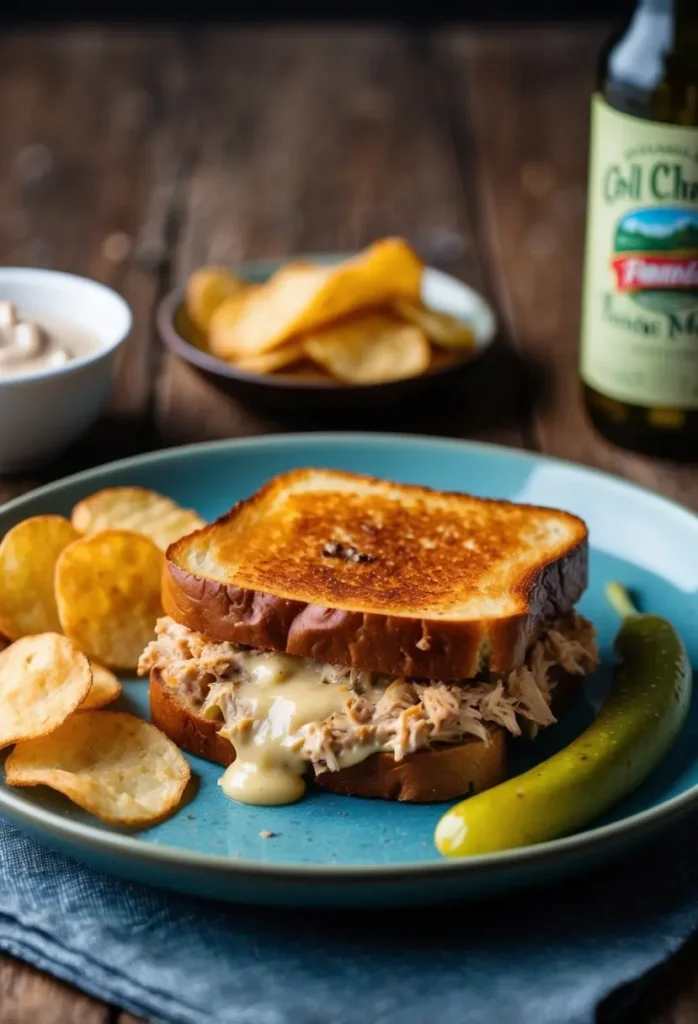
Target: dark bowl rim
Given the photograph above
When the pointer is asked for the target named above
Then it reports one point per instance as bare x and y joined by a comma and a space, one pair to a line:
170, 304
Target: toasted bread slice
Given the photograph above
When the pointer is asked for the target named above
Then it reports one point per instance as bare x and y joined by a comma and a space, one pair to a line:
380, 576
444, 773
180, 719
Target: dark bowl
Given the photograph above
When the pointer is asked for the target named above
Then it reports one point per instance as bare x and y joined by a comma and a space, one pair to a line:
291, 395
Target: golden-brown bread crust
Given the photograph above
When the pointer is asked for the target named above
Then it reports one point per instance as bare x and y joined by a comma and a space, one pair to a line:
185, 726
379, 639
443, 773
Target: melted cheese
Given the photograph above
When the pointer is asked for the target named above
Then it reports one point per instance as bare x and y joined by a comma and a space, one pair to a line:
284, 693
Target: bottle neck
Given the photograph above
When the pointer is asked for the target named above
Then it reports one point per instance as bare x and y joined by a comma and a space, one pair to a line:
656, 6
638, 56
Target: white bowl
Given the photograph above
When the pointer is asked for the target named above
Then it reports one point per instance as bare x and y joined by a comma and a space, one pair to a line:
42, 412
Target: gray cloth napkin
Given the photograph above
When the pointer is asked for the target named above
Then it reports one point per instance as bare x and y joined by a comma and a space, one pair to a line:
544, 957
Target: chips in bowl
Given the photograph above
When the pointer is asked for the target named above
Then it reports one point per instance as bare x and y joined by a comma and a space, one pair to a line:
304, 296
207, 289
370, 349
108, 595
43, 680
230, 310
277, 359
112, 764
318, 321
28, 555
441, 328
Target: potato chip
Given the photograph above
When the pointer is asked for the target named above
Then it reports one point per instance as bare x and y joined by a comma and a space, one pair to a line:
269, 311
104, 690
370, 349
108, 595
230, 310
43, 679
137, 509
206, 290
114, 765
28, 554
441, 328
302, 297
277, 359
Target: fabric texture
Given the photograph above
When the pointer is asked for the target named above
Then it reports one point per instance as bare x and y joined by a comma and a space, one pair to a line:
544, 957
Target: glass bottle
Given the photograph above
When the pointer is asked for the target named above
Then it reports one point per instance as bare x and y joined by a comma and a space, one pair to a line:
639, 344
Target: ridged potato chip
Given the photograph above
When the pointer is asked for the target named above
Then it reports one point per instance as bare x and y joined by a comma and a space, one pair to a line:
114, 765
43, 679
28, 555
104, 690
370, 349
108, 595
137, 509
302, 297
206, 290
442, 329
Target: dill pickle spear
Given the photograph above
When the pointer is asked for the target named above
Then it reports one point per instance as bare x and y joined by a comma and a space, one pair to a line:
641, 717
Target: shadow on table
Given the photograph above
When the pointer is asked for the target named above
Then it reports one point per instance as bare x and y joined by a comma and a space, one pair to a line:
668, 994
109, 439
493, 402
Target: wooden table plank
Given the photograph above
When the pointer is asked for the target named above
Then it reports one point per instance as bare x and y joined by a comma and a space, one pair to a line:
89, 149
527, 93
311, 140
28, 996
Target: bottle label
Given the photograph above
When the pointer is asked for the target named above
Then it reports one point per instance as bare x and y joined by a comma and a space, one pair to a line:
640, 309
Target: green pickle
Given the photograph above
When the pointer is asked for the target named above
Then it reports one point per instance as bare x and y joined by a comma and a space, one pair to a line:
644, 711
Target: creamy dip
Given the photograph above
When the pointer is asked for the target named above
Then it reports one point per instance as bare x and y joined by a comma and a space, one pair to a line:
33, 342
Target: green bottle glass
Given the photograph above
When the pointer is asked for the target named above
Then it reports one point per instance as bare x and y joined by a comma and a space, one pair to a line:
639, 339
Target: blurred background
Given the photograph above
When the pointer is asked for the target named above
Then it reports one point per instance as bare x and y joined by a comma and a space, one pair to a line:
134, 151
197, 10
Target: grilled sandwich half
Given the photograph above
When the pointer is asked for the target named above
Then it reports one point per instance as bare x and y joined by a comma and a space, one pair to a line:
375, 638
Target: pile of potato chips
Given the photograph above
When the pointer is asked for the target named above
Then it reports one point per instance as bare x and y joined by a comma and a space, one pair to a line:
79, 597
361, 321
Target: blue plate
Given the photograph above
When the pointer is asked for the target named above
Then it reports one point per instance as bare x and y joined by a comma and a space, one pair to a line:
333, 850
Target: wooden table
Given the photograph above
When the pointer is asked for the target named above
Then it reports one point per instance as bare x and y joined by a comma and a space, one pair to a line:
135, 156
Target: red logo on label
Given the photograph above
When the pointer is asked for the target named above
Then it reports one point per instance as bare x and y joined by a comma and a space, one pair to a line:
636, 271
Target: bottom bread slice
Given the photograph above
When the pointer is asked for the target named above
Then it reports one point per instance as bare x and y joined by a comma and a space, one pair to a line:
444, 772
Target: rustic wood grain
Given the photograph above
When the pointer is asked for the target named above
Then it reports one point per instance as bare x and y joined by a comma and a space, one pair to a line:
29, 997
527, 94
89, 152
320, 140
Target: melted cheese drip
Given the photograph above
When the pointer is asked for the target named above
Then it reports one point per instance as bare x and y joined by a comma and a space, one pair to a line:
285, 693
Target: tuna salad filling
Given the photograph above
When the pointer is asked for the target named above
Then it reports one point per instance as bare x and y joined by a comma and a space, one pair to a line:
329, 714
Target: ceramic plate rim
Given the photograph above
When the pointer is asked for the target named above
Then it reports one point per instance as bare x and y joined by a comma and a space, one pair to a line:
636, 825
